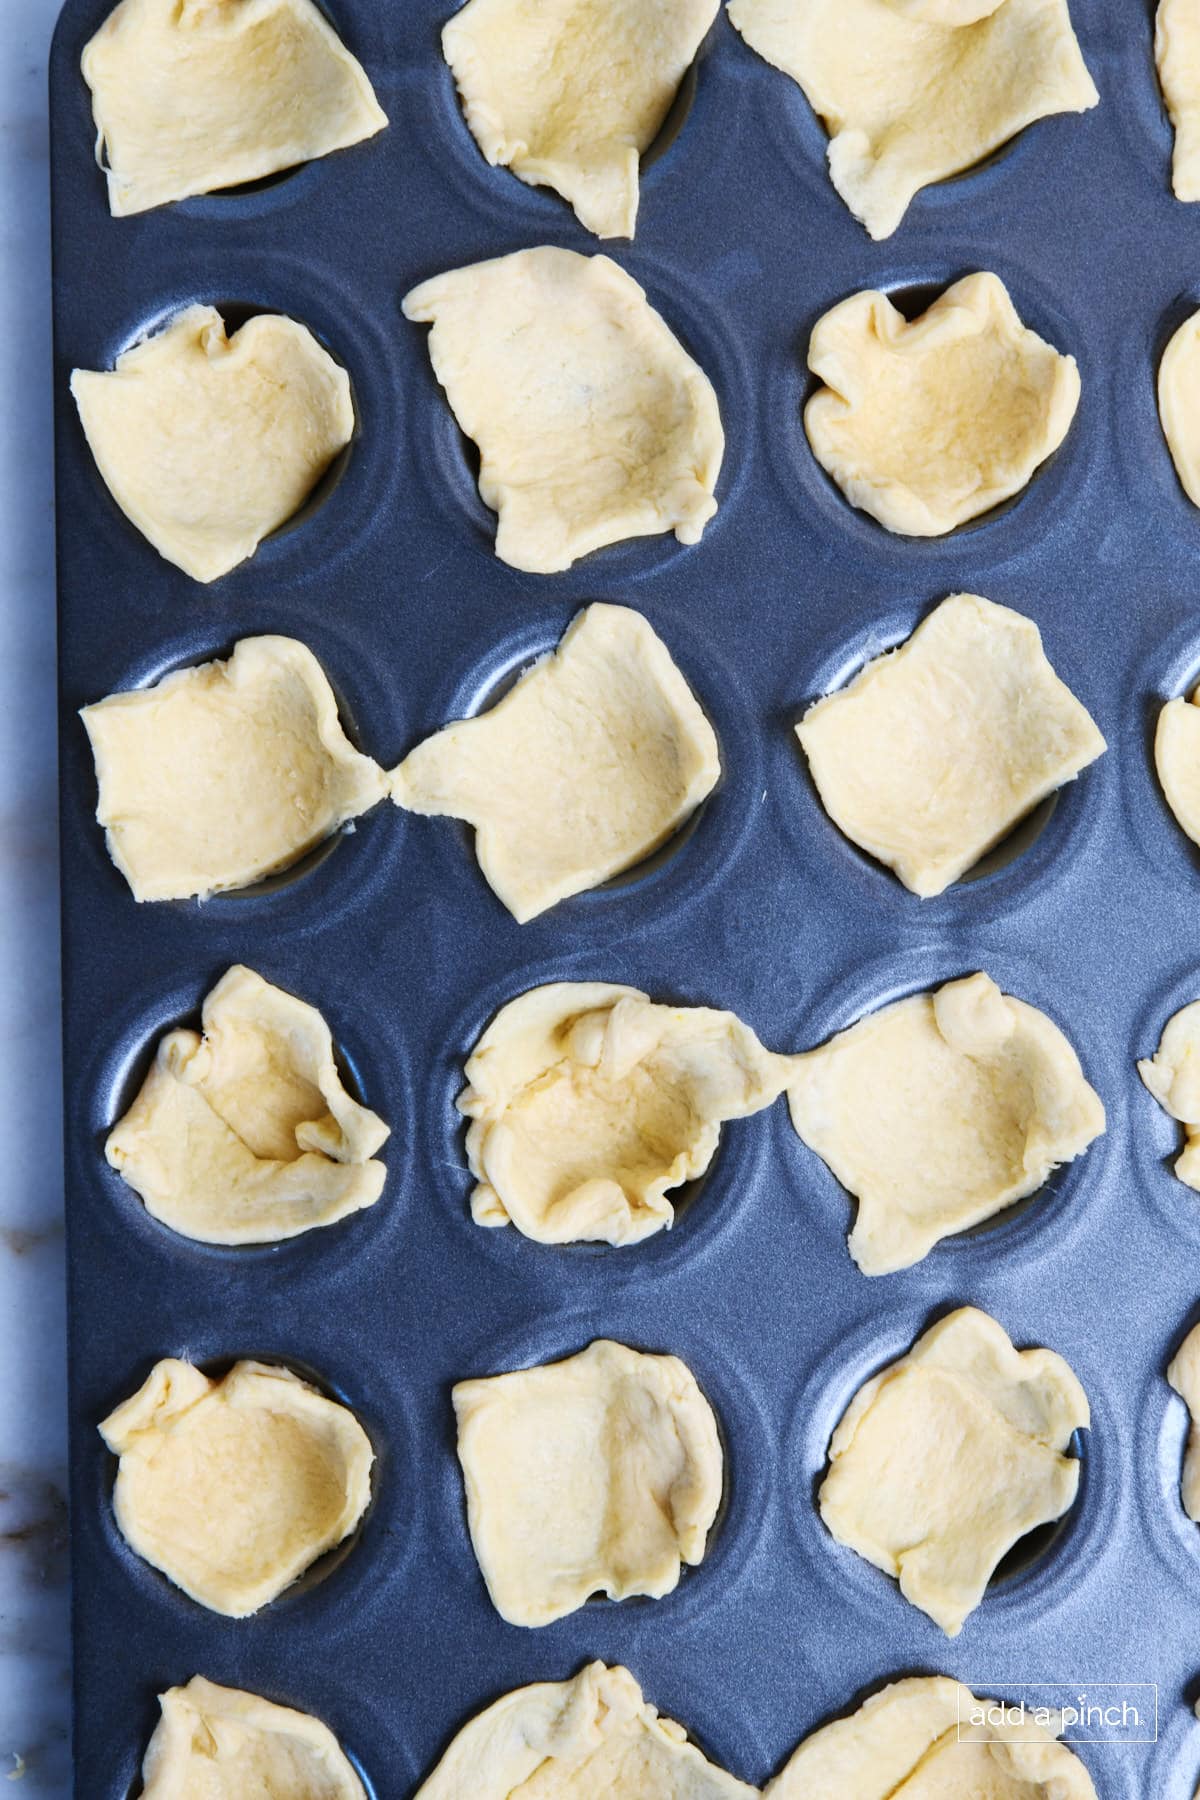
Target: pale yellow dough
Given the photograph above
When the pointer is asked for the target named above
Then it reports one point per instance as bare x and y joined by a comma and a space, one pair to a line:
592, 761
592, 421
206, 442
569, 93
940, 1110
1184, 1376
218, 1743
245, 1134
947, 1458
936, 750
221, 774
930, 1738
1179, 397
575, 1740
1173, 1077
194, 95
233, 1487
600, 1474
588, 1102
1177, 52
926, 425
912, 91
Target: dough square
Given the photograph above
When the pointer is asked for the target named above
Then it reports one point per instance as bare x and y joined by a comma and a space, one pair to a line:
598, 1474
913, 91
208, 443
938, 1112
592, 421
1177, 54
949, 1457
930, 423
223, 773
935, 751
190, 96
595, 758
220, 1743
569, 93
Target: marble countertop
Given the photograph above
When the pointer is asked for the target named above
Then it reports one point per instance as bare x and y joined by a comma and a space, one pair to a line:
34, 1642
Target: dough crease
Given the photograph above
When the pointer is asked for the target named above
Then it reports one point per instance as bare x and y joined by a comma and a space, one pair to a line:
598, 1474
949, 1457
592, 421
588, 1102
595, 758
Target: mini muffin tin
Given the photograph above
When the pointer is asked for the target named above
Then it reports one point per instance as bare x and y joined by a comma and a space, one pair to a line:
1093, 913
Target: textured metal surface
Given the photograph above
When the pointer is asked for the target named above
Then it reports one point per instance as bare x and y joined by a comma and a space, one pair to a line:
763, 908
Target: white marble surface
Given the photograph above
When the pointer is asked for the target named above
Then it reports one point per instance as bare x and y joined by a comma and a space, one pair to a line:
34, 1648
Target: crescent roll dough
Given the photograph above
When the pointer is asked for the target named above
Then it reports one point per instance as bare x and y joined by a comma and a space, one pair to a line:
596, 756
206, 442
223, 773
949, 1457
928, 1736
935, 751
1179, 398
218, 1743
573, 1740
912, 91
245, 1134
592, 421
588, 1102
928, 424
598, 1474
233, 1487
1177, 52
939, 1111
194, 95
1184, 1376
569, 93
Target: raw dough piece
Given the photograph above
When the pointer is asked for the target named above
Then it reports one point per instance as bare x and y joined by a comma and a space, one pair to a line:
926, 425
1179, 399
194, 95
1177, 53
569, 94
207, 442
575, 1740
935, 751
225, 772
947, 1458
592, 421
1184, 1376
600, 1474
1177, 759
940, 1110
912, 91
1173, 1077
916, 1740
233, 1487
245, 1135
588, 1102
592, 761
218, 1743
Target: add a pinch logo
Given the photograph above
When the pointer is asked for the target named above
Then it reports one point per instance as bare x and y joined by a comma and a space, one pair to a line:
1101, 1712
